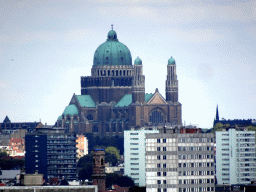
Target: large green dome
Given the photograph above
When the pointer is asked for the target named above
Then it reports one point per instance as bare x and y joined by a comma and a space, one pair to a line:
112, 52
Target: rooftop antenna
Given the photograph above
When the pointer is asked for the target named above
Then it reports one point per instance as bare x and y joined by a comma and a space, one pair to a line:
112, 27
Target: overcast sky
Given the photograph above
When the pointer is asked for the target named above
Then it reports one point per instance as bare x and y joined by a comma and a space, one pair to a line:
47, 45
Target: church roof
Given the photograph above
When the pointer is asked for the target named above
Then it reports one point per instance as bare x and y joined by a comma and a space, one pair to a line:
148, 96
112, 52
127, 100
71, 110
85, 101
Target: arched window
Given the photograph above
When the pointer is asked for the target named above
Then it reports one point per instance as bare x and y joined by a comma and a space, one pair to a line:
116, 72
95, 129
108, 72
90, 116
113, 127
124, 73
120, 127
156, 117
102, 161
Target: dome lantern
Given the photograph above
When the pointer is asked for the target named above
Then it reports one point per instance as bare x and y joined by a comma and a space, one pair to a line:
138, 61
171, 61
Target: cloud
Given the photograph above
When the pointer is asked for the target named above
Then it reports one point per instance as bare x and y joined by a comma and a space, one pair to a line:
194, 35
167, 12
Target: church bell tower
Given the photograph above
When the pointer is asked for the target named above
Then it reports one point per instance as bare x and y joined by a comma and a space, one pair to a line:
99, 176
171, 87
138, 87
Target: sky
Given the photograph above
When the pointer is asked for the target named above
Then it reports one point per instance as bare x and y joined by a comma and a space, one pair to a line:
47, 45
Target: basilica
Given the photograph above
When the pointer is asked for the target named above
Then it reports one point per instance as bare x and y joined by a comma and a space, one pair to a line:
113, 98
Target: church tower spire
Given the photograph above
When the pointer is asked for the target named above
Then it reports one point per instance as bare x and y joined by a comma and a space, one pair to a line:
138, 87
217, 114
171, 86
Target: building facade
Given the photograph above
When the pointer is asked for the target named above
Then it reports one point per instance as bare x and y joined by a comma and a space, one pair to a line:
134, 154
235, 156
52, 152
8, 127
82, 146
179, 162
113, 98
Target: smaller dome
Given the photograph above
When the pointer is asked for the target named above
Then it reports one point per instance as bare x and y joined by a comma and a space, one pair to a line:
112, 35
70, 110
171, 61
138, 61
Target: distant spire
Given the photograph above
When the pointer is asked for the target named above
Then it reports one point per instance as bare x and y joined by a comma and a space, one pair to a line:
6, 120
217, 114
112, 27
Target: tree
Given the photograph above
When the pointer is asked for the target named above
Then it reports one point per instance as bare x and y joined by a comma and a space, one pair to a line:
85, 165
122, 181
113, 151
3, 154
111, 158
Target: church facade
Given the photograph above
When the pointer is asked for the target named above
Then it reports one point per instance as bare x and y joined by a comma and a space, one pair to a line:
113, 98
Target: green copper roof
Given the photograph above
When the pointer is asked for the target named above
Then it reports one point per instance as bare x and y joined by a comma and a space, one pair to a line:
71, 110
148, 96
112, 52
60, 117
85, 101
127, 100
138, 61
171, 61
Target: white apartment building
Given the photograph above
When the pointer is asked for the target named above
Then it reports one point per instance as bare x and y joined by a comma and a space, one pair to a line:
235, 156
134, 154
179, 162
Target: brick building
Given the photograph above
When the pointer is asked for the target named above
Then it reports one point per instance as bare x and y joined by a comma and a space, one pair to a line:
113, 98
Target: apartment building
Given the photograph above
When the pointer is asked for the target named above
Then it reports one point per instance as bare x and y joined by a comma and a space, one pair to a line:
52, 152
235, 156
177, 161
134, 154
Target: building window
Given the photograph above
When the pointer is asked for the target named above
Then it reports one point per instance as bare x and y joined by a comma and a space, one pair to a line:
158, 140
164, 165
164, 173
164, 140
158, 148
164, 148
90, 116
164, 182
158, 173
158, 182
158, 165
164, 157
158, 157
156, 117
